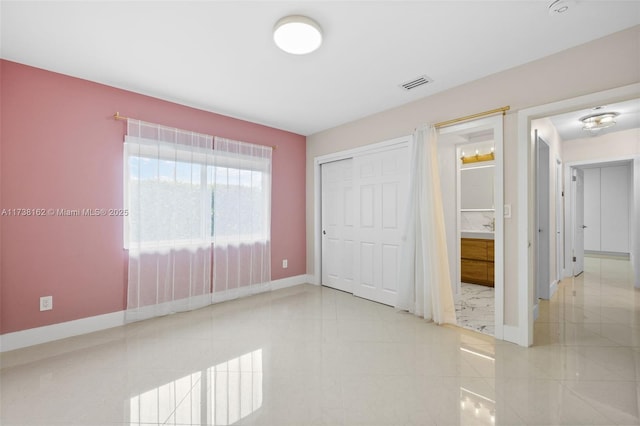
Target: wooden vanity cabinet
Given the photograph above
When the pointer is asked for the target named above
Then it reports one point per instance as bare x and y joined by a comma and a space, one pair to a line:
477, 261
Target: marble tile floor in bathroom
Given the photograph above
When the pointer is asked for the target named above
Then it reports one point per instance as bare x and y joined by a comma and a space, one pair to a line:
475, 308
310, 355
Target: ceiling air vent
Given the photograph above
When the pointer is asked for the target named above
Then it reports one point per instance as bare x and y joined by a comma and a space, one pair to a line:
416, 82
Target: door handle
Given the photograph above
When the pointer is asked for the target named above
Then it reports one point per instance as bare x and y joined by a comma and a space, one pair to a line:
324, 232
584, 226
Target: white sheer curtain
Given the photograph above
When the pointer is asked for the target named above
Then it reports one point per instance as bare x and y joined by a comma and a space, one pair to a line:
242, 219
168, 193
425, 284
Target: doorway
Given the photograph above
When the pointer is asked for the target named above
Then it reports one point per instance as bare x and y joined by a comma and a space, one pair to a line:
587, 149
471, 162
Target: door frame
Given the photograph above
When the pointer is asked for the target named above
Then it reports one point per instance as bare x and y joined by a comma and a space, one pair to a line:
573, 212
523, 333
569, 209
317, 189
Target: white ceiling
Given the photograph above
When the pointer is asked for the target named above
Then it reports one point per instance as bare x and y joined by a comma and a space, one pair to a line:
219, 56
569, 126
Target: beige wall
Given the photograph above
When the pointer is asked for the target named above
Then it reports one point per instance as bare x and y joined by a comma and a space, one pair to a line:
602, 148
568, 74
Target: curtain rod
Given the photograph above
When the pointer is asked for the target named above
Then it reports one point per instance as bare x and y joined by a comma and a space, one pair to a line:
117, 116
503, 110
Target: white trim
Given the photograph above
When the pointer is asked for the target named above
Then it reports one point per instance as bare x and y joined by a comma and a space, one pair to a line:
525, 175
49, 333
553, 288
511, 333
317, 191
63, 330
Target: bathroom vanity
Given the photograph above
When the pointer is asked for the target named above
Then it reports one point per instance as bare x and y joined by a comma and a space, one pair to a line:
476, 261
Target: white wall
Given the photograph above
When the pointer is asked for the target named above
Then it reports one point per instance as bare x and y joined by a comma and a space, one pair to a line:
565, 75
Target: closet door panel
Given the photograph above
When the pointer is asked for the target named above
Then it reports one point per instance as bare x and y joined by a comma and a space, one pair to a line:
614, 194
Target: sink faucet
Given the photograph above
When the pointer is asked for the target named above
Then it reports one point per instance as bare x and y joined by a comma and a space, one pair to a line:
491, 226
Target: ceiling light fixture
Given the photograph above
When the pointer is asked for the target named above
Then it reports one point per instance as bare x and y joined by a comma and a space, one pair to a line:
297, 34
597, 122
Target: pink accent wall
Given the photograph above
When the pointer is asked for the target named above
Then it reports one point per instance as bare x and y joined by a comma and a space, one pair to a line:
62, 149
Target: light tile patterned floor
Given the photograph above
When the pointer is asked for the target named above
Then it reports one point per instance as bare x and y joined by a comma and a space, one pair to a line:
313, 356
475, 308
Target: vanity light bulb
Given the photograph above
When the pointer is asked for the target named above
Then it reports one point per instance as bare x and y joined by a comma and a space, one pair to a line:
492, 149
477, 151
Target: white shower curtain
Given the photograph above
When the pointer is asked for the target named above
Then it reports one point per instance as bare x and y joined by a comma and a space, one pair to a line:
425, 285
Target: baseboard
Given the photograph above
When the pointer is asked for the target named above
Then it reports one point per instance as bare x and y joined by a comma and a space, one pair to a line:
291, 281
607, 254
511, 333
49, 333
553, 288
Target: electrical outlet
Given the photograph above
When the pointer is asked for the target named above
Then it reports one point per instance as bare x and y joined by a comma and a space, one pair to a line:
46, 303
285, 263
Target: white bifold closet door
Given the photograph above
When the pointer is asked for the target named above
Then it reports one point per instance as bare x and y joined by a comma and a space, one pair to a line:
364, 201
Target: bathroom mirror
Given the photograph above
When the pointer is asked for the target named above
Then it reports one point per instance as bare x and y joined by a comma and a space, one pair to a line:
476, 188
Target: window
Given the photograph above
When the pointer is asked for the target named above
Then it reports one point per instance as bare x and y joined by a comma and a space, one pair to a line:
181, 195
168, 193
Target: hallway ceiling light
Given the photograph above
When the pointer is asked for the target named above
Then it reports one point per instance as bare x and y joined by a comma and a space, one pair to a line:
297, 34
597, 122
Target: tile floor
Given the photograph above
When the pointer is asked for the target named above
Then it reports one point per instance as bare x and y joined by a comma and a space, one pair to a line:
313, 356
475, 308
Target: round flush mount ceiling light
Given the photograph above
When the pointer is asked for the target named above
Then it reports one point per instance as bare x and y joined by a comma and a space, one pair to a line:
297, 34
596, 122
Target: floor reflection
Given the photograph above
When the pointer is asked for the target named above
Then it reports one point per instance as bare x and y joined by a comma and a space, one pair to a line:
220, 395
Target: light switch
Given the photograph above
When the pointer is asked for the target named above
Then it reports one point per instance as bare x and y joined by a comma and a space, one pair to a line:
507, 211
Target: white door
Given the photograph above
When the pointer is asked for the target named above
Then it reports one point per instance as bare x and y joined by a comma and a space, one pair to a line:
543, 240
578, 221
615, 195
559, 221
382, 182
338, 228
